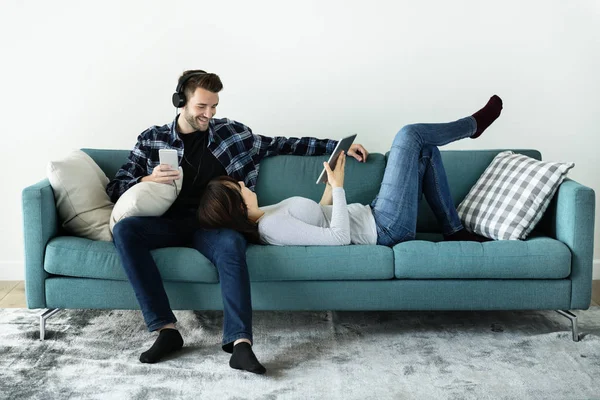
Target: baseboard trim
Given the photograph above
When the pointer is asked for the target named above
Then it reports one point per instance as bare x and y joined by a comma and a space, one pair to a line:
12, 271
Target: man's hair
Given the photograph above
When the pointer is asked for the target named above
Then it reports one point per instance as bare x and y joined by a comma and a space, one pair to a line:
222, 206
206, 80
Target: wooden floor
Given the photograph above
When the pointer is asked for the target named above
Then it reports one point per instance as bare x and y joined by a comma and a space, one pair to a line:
12, 294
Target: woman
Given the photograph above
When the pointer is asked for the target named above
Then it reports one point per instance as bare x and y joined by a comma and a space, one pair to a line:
414, 167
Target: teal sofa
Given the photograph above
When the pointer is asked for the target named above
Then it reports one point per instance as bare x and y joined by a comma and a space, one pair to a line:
551, 270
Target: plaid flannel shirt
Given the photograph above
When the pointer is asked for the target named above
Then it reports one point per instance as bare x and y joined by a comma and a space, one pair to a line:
232, 143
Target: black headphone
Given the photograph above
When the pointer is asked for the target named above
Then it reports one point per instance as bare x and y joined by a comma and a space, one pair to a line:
179, 96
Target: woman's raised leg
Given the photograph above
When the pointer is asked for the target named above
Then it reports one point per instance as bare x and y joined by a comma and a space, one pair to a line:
413, 158
437, 191
395, 207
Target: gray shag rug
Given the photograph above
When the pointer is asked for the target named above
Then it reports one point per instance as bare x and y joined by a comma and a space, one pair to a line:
93, 354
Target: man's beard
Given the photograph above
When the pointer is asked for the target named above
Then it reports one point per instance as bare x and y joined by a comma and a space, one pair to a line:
194, 123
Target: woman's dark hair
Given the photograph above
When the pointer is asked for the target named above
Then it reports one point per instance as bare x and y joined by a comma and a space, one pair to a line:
222, 206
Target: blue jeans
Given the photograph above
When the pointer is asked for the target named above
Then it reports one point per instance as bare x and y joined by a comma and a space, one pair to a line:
134, 237
414, 168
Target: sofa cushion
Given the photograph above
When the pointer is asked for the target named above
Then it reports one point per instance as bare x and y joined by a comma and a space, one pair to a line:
74, 256
538, 257
319, 263
79, 257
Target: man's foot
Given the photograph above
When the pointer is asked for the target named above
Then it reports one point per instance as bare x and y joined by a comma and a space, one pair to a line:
243, 358
169, 341
487, 115
465, 236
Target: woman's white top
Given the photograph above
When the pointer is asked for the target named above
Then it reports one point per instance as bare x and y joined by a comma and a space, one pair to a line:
299, 221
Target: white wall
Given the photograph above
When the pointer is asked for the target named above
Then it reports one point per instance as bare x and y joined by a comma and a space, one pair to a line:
82, 74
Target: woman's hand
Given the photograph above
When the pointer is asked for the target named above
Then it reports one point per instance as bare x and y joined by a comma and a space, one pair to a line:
336, 177
162, 174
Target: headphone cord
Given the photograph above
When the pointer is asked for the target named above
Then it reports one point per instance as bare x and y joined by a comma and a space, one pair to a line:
191, 165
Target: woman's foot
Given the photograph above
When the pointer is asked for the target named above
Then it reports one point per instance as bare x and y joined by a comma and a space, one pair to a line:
169, 340
465, 236
487, 115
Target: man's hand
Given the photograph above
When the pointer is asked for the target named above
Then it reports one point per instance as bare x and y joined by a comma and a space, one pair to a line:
336, 177
359, 152
162, 174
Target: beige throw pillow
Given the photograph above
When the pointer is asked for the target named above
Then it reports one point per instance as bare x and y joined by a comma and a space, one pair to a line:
79, 187
146, 199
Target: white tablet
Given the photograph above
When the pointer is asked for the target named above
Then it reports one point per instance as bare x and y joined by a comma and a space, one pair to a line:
343, 145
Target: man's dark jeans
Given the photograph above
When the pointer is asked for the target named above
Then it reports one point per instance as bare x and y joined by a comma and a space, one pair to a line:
134, 237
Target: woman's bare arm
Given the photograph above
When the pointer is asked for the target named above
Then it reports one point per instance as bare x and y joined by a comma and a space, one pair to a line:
327, 198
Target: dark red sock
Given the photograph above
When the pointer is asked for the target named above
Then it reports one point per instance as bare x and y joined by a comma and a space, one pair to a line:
487, 115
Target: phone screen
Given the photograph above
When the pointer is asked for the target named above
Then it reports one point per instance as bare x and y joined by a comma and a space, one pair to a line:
169, 157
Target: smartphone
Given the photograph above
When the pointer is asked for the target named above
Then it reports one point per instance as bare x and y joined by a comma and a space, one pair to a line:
342, 145
169, 156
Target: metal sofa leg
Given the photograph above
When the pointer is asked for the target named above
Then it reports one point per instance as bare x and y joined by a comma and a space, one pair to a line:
573, 319
43, 319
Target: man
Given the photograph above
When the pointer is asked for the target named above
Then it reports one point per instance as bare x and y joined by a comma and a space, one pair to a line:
207, 148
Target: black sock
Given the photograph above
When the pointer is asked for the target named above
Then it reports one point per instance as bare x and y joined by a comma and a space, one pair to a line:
243, 358
169, 340
487, 115
465, 236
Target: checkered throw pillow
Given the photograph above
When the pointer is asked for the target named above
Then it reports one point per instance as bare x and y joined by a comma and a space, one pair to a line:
511, 196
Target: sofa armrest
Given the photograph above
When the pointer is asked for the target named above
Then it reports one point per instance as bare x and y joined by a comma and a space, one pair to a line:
570, 219
40, 224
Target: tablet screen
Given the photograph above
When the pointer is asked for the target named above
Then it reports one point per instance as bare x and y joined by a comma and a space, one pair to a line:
343, 145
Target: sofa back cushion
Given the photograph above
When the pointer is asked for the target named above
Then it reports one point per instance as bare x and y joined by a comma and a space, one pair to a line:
463, 168
109, 160
281, 177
